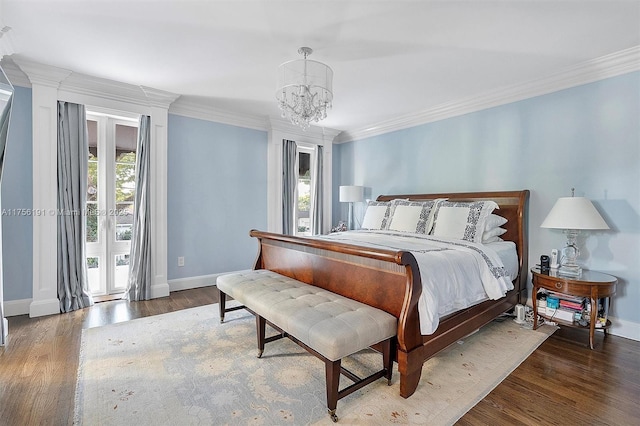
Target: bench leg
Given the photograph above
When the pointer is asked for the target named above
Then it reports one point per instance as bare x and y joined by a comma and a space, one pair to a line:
260, 327
387, 359
332, 371
222, 297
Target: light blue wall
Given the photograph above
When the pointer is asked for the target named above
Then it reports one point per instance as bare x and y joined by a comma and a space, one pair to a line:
587, 137
217, 192
17, 193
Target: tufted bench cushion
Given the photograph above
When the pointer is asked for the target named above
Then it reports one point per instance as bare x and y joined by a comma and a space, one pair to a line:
333, 325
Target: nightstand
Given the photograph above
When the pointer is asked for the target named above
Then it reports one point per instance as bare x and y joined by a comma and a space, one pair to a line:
591, 284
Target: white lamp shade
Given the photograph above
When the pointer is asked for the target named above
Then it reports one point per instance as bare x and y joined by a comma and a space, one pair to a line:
574, 213
351, 194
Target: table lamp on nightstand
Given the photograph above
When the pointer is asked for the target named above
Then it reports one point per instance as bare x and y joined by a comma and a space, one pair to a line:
573, 214
351, 194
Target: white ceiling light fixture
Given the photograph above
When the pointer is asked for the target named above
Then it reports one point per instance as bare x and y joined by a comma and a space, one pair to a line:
305, 90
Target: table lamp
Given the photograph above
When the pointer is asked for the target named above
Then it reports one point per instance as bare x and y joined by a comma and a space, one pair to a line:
573, 214
351, 194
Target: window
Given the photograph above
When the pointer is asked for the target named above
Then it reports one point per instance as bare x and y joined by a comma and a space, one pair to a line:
303, 210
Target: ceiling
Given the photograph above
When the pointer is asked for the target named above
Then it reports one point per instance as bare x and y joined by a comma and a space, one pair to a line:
390, 58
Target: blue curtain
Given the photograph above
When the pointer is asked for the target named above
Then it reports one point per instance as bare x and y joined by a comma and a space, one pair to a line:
73, 153
139, 287
289, 181
317, 200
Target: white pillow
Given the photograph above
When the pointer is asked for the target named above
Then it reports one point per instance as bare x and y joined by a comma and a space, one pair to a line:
411, 216
376, 216
462, 220
494, 221
492, 235
492, 240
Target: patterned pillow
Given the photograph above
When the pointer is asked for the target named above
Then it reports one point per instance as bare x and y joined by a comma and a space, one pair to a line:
462, 220
411, 216
376, 217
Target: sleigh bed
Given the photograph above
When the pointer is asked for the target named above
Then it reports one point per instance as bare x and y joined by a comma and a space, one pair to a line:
390, 279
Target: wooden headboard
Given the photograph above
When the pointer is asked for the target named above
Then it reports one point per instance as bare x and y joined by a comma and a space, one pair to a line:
513, 207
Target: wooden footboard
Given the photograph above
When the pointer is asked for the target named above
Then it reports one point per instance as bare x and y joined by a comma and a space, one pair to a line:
390, 280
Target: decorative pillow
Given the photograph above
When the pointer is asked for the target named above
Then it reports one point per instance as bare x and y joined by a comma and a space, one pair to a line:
376, 216
462, 220
492, 235
494, 221
411, 216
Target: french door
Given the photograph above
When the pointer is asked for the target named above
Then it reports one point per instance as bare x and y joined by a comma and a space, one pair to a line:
110, 198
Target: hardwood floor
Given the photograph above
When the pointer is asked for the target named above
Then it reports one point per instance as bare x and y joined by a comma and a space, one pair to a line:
562, 382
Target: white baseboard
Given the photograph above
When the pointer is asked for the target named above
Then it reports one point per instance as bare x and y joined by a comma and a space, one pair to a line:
196, 282
160, 290
624, 328
41, 308
14, 308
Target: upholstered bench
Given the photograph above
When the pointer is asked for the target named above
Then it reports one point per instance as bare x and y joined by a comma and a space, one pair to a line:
326, 324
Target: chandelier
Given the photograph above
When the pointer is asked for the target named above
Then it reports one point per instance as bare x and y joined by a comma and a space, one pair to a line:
305, 90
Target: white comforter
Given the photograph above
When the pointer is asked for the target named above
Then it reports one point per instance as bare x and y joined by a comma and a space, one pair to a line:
455, 274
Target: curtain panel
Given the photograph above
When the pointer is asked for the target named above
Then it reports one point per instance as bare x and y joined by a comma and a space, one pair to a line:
139, 286
317, 200
289, 181
73, 153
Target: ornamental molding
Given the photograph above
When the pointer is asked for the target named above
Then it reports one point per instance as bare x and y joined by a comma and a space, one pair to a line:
191, 109
86, 85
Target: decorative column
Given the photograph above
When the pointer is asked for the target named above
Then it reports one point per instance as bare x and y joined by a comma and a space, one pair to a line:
45, 82
159, 102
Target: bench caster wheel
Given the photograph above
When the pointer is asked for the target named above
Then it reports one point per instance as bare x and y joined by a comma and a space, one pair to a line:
332, 414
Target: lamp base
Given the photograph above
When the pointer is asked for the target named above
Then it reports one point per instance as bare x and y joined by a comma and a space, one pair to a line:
570, 270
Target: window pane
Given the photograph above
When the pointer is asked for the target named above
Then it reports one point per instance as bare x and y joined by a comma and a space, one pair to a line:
92, 178
121, 273
91, 218
92, 184
125, 182
124, 221
304, 193
126, 140
93, 274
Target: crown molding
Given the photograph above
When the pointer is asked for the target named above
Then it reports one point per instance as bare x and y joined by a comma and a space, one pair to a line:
15, 75
41, 74
159, 98
116, 91
191, 109
72, 82
607, 66
316, 133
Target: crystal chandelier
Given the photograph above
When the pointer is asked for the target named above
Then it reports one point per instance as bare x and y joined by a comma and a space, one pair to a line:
305, 90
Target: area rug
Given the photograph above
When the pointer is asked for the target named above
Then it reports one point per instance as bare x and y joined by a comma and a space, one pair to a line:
185, 368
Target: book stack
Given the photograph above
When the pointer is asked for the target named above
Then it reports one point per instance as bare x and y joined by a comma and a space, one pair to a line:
563, 307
